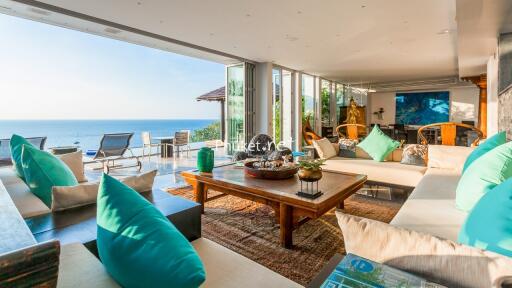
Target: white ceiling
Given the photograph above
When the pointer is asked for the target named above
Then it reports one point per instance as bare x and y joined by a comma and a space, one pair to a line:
345, 40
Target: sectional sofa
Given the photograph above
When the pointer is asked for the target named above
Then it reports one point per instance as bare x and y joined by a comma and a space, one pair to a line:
430, 207
79, 267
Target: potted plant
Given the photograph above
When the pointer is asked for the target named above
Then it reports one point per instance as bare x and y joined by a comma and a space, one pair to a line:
310, 170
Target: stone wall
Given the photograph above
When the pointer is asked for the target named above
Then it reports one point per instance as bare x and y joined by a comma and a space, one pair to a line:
505, 112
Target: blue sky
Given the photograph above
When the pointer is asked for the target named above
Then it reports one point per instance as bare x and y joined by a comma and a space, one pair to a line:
48, 72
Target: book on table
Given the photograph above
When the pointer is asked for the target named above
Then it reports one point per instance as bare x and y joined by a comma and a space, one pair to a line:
357, 272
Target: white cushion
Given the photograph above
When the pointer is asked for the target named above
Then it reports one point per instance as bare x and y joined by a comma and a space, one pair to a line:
226, 269
383, 172
324, 148
448, 157
66, 197
441, 261
28, 204
431, 206
80, 268
75, 163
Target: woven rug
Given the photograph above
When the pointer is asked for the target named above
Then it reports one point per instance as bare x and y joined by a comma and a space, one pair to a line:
250, 229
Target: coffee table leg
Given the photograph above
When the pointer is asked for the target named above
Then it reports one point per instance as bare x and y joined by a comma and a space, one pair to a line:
199, 194
341, 205
286, 225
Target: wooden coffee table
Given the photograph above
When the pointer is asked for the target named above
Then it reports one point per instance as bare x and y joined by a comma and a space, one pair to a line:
291, 210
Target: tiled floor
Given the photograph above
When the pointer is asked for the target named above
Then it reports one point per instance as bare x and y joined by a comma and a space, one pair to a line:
168, 168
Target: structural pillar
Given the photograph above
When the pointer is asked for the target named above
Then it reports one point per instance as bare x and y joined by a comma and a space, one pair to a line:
481, 82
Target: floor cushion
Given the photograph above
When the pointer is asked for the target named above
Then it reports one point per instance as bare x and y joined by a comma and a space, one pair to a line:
42, 171
489, 224
138, 245
489, 144
491, 169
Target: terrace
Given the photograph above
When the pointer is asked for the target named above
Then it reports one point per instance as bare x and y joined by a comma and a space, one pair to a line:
403, 105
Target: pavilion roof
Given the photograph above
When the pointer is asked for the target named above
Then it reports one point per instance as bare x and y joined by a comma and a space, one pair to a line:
215, 95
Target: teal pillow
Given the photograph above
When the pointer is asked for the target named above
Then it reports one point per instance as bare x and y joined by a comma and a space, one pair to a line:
378, 145
16, 145
138, 245
489, 144
491, 169
489, 225
42, 171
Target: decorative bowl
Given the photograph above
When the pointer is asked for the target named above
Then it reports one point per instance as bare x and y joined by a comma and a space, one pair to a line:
272, 174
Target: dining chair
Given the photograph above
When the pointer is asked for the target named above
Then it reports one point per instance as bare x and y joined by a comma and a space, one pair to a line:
181, 138
146, 143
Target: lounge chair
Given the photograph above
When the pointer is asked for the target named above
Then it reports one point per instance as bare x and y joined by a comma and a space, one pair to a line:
5, 150
113, 147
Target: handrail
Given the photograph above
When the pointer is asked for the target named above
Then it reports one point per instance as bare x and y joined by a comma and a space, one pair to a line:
448, 129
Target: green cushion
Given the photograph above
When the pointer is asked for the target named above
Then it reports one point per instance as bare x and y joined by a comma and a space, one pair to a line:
491, 169
16, 145
138, 245
489, 144
378, 145
489, 225
42, 171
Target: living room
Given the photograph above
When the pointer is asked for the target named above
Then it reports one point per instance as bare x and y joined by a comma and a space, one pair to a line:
363, 144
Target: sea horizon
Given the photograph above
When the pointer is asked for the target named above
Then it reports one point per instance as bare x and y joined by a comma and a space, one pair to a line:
87, 133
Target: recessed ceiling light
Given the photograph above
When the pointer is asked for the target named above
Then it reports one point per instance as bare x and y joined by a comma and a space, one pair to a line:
299, 12
363, 6
247, 15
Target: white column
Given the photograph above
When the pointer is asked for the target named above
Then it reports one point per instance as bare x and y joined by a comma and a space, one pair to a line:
492, 95
263, 99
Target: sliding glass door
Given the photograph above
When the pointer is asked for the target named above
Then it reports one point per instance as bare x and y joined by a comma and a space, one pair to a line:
308, 100
325, 99
235, 116
340, 102
282, 106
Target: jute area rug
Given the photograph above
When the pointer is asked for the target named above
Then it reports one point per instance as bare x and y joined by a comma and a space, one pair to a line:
250, 229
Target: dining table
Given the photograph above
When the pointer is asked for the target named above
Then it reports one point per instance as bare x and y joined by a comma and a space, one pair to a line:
166, 149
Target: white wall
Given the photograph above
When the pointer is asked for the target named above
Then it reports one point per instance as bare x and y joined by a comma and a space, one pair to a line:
463, 105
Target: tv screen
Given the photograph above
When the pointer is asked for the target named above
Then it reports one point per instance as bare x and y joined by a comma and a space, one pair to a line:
422, 108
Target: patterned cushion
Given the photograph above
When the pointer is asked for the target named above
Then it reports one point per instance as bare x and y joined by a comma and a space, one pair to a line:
415, 154
347, 148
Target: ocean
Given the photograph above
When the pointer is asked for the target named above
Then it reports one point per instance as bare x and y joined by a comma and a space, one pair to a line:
87, 133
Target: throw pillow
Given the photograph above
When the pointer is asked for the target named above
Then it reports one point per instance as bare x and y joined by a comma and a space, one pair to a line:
324, 148
448, 157
138, 245
347, 148
438, 260
489, 224
67, 197
42, 171
75, 163
16, 145
415, 154
489, 144
378, 145
485, 173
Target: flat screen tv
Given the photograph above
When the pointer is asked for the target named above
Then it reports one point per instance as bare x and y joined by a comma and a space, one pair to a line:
422, 108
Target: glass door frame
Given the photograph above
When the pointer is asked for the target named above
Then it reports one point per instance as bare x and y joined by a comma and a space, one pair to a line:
281, 103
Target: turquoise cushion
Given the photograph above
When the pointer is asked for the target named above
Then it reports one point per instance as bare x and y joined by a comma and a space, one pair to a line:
138, 245
378, 145
489, 225
489, 144
491, 169
42, 171
16, 145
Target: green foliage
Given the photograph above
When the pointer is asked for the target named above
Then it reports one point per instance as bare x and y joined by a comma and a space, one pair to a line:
277, 122
311, 164
326, 105
210, 132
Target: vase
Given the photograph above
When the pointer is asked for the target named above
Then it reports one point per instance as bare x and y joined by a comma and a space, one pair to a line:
310, 175
205, 160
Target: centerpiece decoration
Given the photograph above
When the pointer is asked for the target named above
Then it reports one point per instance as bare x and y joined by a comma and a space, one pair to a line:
264, 168
310, 172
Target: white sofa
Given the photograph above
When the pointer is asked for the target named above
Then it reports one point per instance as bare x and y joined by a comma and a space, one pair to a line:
80, 268
431, 206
